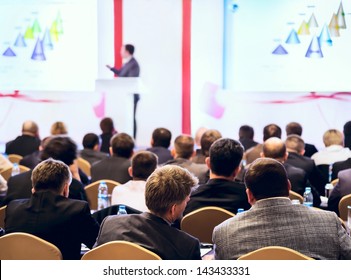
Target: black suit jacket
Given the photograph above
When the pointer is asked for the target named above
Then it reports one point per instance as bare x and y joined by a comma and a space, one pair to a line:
152, 233
229, 195
310, 150
113, 168
105, 142
20, 186
129, 69
23, 145
162, 153
248, 143
64, 222
340, 165
31, 160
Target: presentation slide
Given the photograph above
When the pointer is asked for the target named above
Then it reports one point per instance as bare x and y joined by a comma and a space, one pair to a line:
48, 45
287, 46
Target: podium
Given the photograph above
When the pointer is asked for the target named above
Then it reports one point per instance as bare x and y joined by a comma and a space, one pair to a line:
121, 98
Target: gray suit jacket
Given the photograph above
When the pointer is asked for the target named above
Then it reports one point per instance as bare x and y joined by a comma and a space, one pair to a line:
129, 69
92, 156
277, 222
343, 187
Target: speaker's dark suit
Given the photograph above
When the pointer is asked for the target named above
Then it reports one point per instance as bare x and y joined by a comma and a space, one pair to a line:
23, 145
152, 233
129, 69
64, 222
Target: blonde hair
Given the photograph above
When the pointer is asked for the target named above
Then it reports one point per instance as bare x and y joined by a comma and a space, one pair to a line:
58, 128
333, 137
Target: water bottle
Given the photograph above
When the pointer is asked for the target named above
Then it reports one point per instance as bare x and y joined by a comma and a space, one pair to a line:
330, 172
121, 210
15, 169
308, 197
240, 210
102, 196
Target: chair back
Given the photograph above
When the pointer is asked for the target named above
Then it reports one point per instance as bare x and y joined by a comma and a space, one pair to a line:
120, 250
6, 174
201, 222
343, 203
25, 246
14, 158
295, 195
84, 165
91, 191
274, 253
335, 181
2, 216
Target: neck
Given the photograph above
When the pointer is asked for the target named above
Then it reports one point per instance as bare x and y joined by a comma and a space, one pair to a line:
215, 176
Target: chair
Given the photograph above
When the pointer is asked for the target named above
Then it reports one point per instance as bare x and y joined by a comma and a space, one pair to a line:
25, 246
343, 203
295, 195
2, 216
14, 158
120, 250
91, 191
334, 182
274, 253
84, 165
7, 172
201, 222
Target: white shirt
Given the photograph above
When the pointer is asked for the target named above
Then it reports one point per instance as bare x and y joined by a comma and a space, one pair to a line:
331, 154
131, 194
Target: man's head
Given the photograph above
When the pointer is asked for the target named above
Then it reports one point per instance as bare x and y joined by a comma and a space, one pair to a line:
161, 137
53, 175
167, 191
127, 50
143, 164
199, 132
60, 148
294, 143
225, 157
246, 132
183, 147
266, 178
30, 128
274, 148
333, 137
58, 128
293, 128
122, 145
271, 130
106, 125
207, 139
91, 141
347, 134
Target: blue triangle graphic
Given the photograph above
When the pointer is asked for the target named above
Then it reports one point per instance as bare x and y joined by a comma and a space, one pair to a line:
280, 50
9, 52
38, 52
293, 38
20, 42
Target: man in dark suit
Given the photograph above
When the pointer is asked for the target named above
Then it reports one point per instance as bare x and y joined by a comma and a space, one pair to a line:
116, 166
207, 139
339, 166
131, 67
160, 142
221, 190
246, 137
342, 188
50, 215
166, 195
27, 143
295, 147
91, 147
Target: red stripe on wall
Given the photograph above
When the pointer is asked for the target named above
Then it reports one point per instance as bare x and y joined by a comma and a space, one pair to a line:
186, 68
118, 23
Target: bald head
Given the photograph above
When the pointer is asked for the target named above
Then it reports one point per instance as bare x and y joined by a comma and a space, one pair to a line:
274, 148
30, 128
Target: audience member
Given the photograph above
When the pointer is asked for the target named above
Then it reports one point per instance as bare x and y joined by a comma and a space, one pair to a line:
132, 193
27, 143
116, 166
246, 137
166, 195
221, 190
58, 128
274, 221
160, 142
182, 152
50, 215
208, 137
59, 148
108, 130
347, 134
342, 188
339, 166
295, 147
91, 149
34, 158
4, 163
296, 128
198, 134
271, 130
275, 148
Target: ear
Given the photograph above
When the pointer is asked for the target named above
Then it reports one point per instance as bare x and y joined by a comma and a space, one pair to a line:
96, 147
173, 153
131, 154
111, 152
237, 170
152, 142
65, 191
208, 162
194, 154
130, 171
250, 197
286, 156
302, 152
262, 155
289, 185
33, 190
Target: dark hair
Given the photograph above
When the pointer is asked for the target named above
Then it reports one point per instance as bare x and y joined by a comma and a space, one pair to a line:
129, 48
122, 145
246, 132
51, 175
293, 128
207, 140
274, 148
347, 134
143, 164
60, 148
266, 177
106, 125
225, 156
161, 137
90, 140
295, 143
271, 130
184, 146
